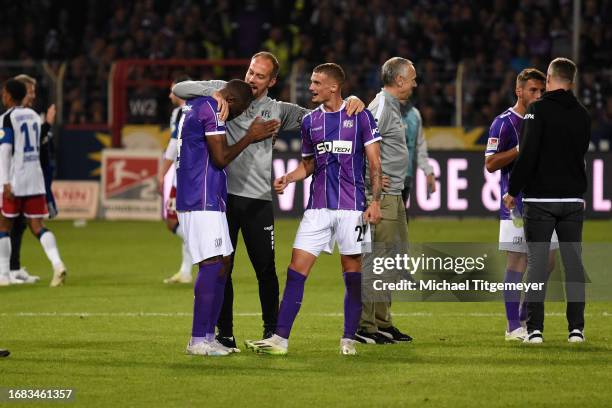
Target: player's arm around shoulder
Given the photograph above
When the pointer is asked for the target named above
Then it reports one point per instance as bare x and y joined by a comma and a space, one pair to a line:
290, 115
193, 89
222, 153
354, 105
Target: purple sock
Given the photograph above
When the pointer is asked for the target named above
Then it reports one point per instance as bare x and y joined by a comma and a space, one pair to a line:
352, 303
512, 300
204, 298
218, 303
290, 305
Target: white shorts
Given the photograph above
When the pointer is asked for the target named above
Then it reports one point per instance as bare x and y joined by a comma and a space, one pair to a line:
512, 238
321, 228
206, 234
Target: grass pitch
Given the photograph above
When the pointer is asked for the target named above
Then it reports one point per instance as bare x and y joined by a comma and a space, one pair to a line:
116, 335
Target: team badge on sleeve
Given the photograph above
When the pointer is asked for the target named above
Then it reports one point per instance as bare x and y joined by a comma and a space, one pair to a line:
492, 143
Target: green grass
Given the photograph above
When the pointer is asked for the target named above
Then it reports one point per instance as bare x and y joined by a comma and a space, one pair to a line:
116, 335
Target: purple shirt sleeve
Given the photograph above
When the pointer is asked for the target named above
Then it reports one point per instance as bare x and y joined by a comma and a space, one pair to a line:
500, 135
369, 130
209, 118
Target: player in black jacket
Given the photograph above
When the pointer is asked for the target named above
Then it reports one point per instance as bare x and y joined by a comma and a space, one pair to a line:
550, 172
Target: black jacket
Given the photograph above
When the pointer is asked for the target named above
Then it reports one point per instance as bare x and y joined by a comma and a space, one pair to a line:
555, 137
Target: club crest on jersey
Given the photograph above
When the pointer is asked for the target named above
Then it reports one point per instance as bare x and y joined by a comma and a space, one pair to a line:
266, 114
335, 147
347, 123
492, 143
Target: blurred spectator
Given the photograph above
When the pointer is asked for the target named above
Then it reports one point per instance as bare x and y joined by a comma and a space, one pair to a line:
490, 40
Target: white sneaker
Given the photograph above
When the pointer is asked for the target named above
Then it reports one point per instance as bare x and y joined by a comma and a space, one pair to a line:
347, 347
179, 277
576, 336
23, 275
13, 280
4, 280
206, 348
59, 276
516, 334
274, 345
535, 337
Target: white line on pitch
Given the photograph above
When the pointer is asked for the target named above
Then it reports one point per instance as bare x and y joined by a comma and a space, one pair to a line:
185, 314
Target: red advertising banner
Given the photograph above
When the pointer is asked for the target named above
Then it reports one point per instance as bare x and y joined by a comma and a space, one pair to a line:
76, 199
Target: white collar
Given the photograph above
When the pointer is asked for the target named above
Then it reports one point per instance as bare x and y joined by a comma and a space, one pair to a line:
322, 108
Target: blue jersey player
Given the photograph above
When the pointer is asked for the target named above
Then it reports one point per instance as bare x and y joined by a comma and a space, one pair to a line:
502, 150
334, 148
201, 194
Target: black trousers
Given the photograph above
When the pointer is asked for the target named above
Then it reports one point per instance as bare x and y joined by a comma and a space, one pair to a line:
16, 234
256, 220
540, 219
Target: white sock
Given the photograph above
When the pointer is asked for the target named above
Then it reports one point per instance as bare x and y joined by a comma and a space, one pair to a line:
281, 341
47, 240
5, 255
187, 262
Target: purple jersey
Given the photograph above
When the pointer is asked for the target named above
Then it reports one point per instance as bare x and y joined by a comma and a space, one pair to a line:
338, 142
200, 185
503, 136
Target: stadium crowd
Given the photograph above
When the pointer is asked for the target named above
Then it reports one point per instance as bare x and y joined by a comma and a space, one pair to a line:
494, 41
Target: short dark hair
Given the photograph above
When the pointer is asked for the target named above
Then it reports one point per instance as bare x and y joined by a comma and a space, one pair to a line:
270, 57
240, 90
529, 73
16, 89
332, 70
563, 69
